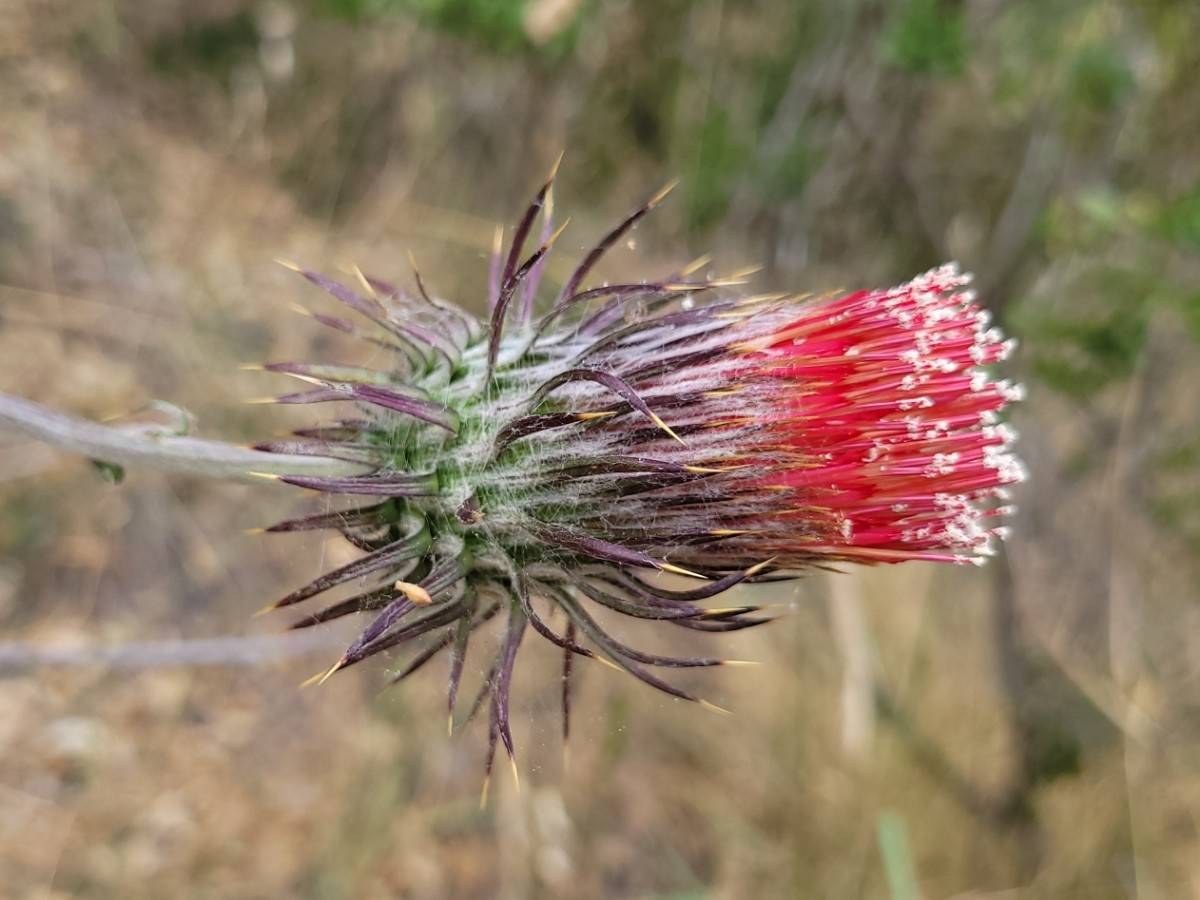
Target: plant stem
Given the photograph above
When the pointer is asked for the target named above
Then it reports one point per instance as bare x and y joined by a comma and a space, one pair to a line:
146, 447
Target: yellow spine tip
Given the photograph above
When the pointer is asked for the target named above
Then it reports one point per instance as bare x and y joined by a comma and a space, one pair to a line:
313, 679
667, 428
758, 567
557, 232
679, 570
714, 708
269, 476
366, 285
746, 271
515, 774
554, 168
740, 662
309, 379
259, 613
662, 193
483, 795
607, 662
761, 298
328, 673
450, 725
288, 264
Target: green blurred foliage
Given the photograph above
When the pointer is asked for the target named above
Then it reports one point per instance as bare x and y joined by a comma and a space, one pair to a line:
1081, 354
212, 46
495, 25
720, 153
928, 38
1179, 220
1099, 78
109, 472
1189, 305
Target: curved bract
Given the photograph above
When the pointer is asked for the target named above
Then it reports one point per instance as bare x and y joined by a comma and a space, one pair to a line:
543, 465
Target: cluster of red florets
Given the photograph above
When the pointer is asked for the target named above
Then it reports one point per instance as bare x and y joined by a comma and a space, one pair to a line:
892, 424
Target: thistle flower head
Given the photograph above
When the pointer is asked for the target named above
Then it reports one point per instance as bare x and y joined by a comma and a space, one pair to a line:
540, 465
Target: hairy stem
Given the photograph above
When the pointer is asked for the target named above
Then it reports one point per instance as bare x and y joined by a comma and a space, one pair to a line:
176, 453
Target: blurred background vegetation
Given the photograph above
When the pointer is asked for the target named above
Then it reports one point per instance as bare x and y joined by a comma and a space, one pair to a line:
1027, 730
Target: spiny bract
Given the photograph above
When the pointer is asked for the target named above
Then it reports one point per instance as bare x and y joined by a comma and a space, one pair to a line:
536, 468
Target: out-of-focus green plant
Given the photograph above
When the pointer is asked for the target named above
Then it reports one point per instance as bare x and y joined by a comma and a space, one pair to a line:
1179, 220
928, 38
1079, 352
720, 151
210, 46
499, 25
1099, 78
